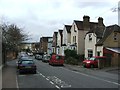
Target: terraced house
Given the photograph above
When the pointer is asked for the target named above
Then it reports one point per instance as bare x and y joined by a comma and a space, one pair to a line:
59, 41
66, 38
54, 43
73, 36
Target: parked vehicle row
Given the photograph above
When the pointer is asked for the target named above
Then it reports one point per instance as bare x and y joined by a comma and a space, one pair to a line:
46, 58
59, 60
39, 57
52, 60
26, 64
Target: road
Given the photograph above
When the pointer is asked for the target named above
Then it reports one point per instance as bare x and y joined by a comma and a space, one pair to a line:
48, 76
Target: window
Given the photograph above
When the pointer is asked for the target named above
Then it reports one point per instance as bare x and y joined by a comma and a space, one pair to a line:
75, 39
115, 36
90, 37
74, 48
90, 53
74, 29
58, 51
98, 53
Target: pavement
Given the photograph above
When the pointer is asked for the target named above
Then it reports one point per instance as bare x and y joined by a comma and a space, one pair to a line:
9, 73
0, 77
112, 70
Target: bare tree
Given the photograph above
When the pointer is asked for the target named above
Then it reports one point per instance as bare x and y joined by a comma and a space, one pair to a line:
12, 36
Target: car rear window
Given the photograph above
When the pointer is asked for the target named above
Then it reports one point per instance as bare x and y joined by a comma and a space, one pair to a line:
27, 62
58, 57
92, 58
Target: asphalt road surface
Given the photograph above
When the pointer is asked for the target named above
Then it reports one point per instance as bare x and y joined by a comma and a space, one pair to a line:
48, 76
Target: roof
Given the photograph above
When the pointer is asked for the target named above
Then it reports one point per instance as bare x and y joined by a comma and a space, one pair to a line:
79, 24
60, 31
55, 33
68, 27
115, 49
93, 25
64, 45
98, 31
107, 32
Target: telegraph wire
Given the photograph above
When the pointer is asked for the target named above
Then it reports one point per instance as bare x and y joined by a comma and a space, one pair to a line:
113, 9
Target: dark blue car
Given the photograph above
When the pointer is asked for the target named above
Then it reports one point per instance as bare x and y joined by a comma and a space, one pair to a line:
27, 66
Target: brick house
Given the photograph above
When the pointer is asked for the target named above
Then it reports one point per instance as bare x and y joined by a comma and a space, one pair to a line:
49, 50
44, 44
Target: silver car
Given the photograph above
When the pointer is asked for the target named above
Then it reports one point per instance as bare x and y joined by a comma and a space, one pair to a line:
46, 58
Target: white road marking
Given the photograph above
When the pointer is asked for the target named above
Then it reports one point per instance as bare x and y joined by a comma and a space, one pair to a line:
1, 67
57, 87
40, 74
17, 82
55, 81
47, 79
65, 86
43, 76
58, 82
51, 82
94, 77
22, 75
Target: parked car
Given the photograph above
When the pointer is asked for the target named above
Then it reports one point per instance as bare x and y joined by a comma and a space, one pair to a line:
22, 55
56, 60
93, 61
39, 57
27, 66
30, 53
46, 58
22, 58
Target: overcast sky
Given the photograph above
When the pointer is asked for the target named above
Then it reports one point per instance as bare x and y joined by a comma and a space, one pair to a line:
43, 17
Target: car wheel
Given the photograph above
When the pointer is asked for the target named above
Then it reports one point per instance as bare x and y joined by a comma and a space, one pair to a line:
84, 65
34, 72
20, 72
91, 66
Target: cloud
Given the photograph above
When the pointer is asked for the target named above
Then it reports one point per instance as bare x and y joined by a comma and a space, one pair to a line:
43, 17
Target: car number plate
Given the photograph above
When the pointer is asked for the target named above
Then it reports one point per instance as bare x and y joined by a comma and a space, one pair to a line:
28, 67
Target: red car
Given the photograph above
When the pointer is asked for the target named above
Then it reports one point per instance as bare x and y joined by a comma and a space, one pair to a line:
93, 61
56, 60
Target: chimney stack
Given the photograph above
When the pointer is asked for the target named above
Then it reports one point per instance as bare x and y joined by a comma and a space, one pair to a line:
100, 21
86, 21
